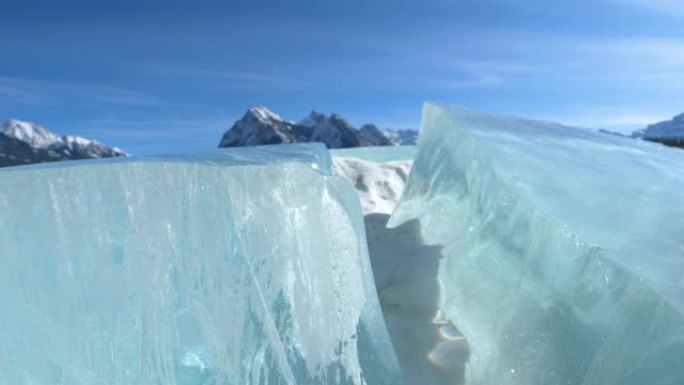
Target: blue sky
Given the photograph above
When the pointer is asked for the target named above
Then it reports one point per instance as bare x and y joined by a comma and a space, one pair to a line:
172, 76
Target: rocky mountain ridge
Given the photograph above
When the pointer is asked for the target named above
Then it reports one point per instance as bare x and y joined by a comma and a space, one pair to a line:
26, 142
260, 126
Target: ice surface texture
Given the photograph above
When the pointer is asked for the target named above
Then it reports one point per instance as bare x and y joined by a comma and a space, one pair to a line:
205, 269
563, 249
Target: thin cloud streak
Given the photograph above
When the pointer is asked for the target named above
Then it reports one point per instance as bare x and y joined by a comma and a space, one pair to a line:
159, 129
39, 92
664, 7
222, 77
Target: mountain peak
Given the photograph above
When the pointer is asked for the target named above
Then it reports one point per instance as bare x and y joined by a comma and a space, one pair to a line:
336, 132
28, 132
26, 142
262, 114
315, 118
369, 126
336, 116
261, 126
370, 135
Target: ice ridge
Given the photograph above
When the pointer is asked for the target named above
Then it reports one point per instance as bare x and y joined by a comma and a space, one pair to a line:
562, 271
187, 270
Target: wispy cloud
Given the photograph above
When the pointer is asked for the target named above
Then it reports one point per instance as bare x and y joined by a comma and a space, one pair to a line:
570, 63
40, 92
663, 53
446, 59
635, 64
156, 129
158, 135
18, 91
442, 71
484, 73
665, 7
473, 81
244, 77
221, 77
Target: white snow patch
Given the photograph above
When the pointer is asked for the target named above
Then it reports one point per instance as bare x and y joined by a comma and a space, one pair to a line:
264, 114
431, 351
38, 137
29, 132
379, 185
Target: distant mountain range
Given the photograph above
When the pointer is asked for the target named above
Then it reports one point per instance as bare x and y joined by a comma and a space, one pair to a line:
260, 126
25, 143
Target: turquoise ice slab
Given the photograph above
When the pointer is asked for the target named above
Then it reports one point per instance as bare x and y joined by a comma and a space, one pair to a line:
244, 266
563, 249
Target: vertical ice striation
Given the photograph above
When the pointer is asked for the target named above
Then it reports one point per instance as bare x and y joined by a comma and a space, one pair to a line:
562, 248
205, 269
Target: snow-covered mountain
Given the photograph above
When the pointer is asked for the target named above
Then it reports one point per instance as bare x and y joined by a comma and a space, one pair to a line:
26, 142
669, 132
261, 126
335, 132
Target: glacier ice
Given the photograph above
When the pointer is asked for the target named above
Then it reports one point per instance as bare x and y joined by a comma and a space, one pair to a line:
520, 253
214, 268
562, 249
